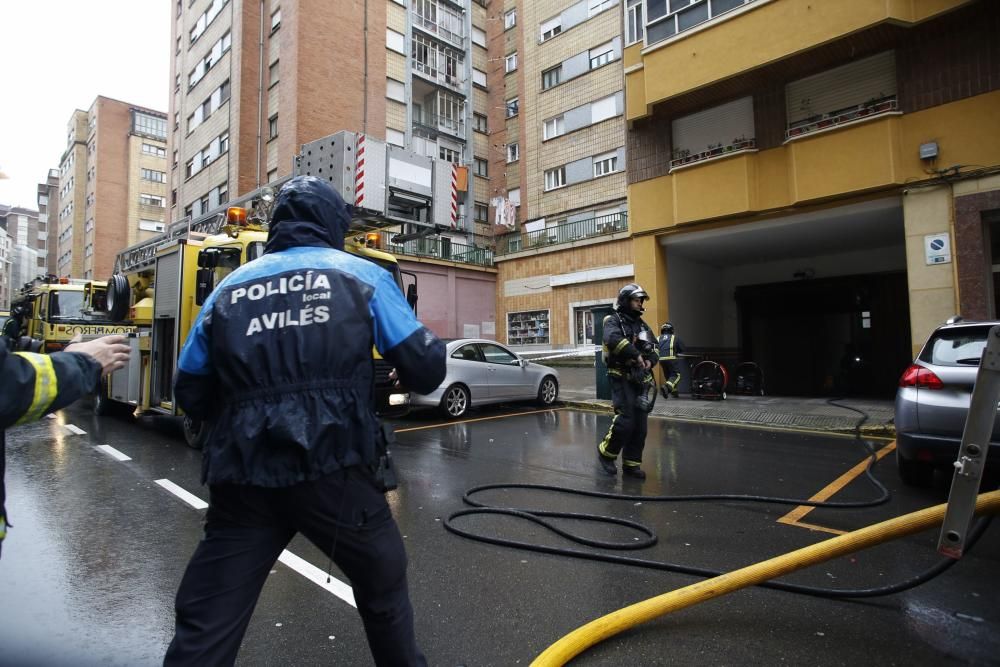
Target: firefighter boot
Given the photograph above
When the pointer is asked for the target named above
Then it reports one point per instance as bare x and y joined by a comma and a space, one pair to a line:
607, 465
665, 391
633, 471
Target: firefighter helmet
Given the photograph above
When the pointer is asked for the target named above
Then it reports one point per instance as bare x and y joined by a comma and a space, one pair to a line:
626, 294
667, 328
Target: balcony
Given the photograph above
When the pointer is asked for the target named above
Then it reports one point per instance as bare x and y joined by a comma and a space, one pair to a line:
442, 23
568, 232
438, 249
436, 75
682, 157
433, 124
870, 109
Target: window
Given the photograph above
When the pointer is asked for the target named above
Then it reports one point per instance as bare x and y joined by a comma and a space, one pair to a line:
478, 37
479, 123
272, 175
479, 77
597, 6
153, 175
395, 90
551, 28
276, 20
151, 200
602, 55
482, 212
604, 109
157, 151
510, 63
151, 226
551, 77
633, 22
523, 328
273, 73
605, 164
481, 167
512, 107
395, 41
449, 154
272, 127
513, 152
555, 178
224, 142
553, 127
663, 21
510, 19
395, 137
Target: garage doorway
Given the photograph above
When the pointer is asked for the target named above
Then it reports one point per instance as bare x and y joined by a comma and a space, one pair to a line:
842, 336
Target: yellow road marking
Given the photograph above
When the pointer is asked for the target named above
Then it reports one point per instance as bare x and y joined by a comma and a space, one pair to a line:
793, 518
477, 419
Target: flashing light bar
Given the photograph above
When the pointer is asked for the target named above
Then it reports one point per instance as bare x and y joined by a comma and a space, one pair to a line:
236, 215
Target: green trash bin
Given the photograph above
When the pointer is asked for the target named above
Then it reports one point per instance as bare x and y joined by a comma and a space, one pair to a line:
602, 384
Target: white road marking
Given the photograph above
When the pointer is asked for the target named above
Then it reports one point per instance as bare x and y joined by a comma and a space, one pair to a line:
74, 429
191, 499
114, 453
300, 565
318, 577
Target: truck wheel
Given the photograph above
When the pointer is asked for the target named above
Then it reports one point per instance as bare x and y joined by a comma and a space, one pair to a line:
118, 297
195, 432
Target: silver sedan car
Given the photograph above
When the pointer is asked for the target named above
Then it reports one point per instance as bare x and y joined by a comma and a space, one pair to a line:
483, 371
932, 402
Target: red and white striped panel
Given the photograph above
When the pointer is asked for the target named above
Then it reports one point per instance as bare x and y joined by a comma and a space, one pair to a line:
454, 195
359, 172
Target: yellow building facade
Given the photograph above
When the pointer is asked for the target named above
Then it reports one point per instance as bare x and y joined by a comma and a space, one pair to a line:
814, 186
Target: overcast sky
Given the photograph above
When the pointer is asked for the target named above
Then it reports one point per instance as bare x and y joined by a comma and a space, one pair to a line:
57, 56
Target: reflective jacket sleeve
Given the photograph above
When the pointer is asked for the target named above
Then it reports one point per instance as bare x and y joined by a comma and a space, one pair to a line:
196, 383
415, 352
35, 384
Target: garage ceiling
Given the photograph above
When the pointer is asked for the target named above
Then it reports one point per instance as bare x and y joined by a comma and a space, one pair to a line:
874, 224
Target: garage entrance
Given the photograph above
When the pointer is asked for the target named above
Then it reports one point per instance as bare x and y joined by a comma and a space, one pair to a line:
819, 300
844, 336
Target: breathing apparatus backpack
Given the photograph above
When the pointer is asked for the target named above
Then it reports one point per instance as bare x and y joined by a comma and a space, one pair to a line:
642, 378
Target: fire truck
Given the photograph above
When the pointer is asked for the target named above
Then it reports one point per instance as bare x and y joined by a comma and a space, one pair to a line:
158, 286
53, 310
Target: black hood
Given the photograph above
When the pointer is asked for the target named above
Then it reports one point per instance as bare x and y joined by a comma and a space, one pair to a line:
308, 212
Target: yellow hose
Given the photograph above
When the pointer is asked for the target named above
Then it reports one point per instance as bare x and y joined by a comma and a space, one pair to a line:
600, 629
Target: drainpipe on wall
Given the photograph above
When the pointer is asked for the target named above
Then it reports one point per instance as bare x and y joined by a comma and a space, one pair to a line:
260, 93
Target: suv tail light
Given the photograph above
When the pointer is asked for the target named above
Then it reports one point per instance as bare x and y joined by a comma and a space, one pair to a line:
921, 378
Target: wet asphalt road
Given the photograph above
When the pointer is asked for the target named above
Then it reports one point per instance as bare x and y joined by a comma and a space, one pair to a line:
90, 570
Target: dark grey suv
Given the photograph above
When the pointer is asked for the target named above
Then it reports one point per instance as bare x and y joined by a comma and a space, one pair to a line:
933, 398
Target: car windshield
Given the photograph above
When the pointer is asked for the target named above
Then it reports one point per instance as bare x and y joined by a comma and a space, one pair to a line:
956, 347
68, 306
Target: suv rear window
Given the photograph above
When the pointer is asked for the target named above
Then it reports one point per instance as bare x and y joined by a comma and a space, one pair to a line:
961, 346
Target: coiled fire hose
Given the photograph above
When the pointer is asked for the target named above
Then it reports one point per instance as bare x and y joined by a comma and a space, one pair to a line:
607, 626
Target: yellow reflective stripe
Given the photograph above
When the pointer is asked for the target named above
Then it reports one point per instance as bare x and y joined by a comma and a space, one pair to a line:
603, 447
46, 386
3, 526
620, 346
631, 464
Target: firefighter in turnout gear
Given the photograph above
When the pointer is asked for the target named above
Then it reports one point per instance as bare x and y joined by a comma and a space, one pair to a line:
630, 355
279, 366
670, 347
34, 385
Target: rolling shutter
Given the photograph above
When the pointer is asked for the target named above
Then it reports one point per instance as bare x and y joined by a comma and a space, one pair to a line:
842, 87
718, 125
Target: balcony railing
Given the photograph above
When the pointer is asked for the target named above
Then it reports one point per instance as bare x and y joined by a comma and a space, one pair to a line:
438, 75
438, 249
683, 156
437, 123
841, 116
567, 232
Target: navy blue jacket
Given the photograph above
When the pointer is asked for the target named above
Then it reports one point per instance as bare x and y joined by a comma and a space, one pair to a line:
279, 361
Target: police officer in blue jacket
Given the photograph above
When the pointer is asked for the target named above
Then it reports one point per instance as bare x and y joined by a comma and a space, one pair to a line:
279, 366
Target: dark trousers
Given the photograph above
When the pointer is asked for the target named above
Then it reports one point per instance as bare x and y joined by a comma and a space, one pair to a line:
246, 529
671, 374
627, 434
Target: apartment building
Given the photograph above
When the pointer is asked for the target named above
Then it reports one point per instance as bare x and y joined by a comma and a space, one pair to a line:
254, 81
112, 185
25, 254
557, 164
5, 274
47, 198
814, 186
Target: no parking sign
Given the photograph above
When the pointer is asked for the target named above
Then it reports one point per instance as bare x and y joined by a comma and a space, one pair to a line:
937, 248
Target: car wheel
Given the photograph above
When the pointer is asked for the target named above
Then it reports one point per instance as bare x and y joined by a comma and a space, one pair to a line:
914, 473
455, 402
195, 432
548, 390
